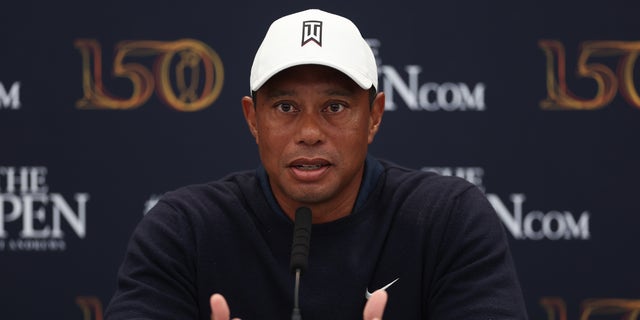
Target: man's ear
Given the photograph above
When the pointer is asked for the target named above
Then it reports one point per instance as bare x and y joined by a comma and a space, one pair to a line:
377, 110
249, 110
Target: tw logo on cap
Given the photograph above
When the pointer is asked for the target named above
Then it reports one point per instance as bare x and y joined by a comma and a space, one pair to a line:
311, 31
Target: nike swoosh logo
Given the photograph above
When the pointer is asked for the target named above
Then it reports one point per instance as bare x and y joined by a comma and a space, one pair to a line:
368, 294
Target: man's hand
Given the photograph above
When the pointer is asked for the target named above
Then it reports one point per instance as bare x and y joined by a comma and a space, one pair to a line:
219, 308
373, 310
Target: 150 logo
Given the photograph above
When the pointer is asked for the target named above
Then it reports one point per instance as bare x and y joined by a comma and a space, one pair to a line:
625, 309
608, 83
91, 307
187, 75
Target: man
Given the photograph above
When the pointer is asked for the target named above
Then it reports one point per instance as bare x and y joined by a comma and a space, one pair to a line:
223, 248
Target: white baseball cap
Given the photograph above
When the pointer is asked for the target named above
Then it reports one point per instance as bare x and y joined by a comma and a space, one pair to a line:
314, 37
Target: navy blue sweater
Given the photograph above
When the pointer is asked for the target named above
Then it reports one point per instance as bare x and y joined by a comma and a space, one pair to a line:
438, 235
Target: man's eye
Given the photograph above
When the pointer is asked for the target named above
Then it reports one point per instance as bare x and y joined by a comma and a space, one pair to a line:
285, 107
335, 107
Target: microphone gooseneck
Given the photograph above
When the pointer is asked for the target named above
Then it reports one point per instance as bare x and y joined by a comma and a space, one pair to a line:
300, 253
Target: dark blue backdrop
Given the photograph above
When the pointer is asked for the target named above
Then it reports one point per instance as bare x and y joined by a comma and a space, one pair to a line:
533, 101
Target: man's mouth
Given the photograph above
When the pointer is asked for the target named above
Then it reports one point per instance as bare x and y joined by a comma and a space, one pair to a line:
307, 167
309, 164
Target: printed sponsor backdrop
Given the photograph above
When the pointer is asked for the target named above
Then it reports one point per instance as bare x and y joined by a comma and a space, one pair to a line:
106, 105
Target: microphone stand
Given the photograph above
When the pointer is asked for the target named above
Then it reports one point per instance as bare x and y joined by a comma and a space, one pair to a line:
295, 315
300, 253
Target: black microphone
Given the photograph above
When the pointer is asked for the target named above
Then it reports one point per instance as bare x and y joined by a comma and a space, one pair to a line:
300, 252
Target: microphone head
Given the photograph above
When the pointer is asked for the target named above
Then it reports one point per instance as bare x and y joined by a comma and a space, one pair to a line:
301, 238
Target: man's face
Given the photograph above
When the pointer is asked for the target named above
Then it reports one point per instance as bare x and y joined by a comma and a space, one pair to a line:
313, 126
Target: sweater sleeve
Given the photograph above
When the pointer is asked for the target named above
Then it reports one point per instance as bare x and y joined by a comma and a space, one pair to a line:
156, 279
475, 273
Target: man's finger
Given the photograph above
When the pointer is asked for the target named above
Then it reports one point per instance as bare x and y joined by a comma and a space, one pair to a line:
374, 308
219, 307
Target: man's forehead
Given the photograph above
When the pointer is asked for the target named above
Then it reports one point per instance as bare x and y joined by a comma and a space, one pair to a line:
328, 80
276, 92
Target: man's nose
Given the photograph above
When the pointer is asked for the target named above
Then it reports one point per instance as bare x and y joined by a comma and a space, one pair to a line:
310, 130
